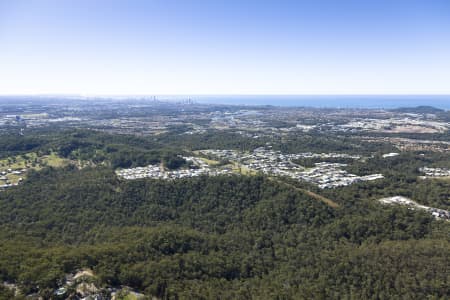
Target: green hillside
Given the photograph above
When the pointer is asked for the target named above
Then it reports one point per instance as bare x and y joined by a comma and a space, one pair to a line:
230, 237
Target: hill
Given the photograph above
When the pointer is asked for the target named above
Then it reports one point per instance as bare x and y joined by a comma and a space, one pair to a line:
419, 110
227, 237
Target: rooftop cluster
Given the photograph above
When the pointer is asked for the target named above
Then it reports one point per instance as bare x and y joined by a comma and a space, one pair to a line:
435, 172
159, 172
412, 123
5, 177
324, 174
330, 175
82, 285
435, 212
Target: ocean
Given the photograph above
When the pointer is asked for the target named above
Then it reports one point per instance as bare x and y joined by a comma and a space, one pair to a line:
340, 101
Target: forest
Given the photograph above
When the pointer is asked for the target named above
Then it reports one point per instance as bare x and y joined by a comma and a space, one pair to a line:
224, 237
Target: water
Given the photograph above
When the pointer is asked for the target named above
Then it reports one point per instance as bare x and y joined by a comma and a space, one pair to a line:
340, 101
329, 101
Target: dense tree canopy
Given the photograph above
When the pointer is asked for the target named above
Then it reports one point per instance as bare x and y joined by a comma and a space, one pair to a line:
224, 237
228, 237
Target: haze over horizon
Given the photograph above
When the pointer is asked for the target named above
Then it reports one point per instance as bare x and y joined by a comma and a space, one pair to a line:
230, 47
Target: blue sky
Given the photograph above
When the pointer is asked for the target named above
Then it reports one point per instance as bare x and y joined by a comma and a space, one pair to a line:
225, 47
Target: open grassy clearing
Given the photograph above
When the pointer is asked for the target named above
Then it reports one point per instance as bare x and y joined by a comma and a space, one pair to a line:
240, 169
209, 161
443, 178
28, 161
32, 160
18, 162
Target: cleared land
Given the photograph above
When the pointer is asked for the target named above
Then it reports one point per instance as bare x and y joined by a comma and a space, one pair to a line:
29, 161
318, 197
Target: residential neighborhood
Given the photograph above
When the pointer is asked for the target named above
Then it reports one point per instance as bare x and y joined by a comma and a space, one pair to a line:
82, 285
435, 172
10, 177
159, 172
224, 149
323, 174
439, 214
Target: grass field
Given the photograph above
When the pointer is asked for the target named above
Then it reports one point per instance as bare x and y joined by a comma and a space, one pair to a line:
53, 160
17, 162
240, 169
447, 178
210, 161
29, 161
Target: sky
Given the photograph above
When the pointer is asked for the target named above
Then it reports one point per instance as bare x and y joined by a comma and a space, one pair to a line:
193, 47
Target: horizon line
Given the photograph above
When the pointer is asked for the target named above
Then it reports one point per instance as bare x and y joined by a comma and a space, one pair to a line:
214, 95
